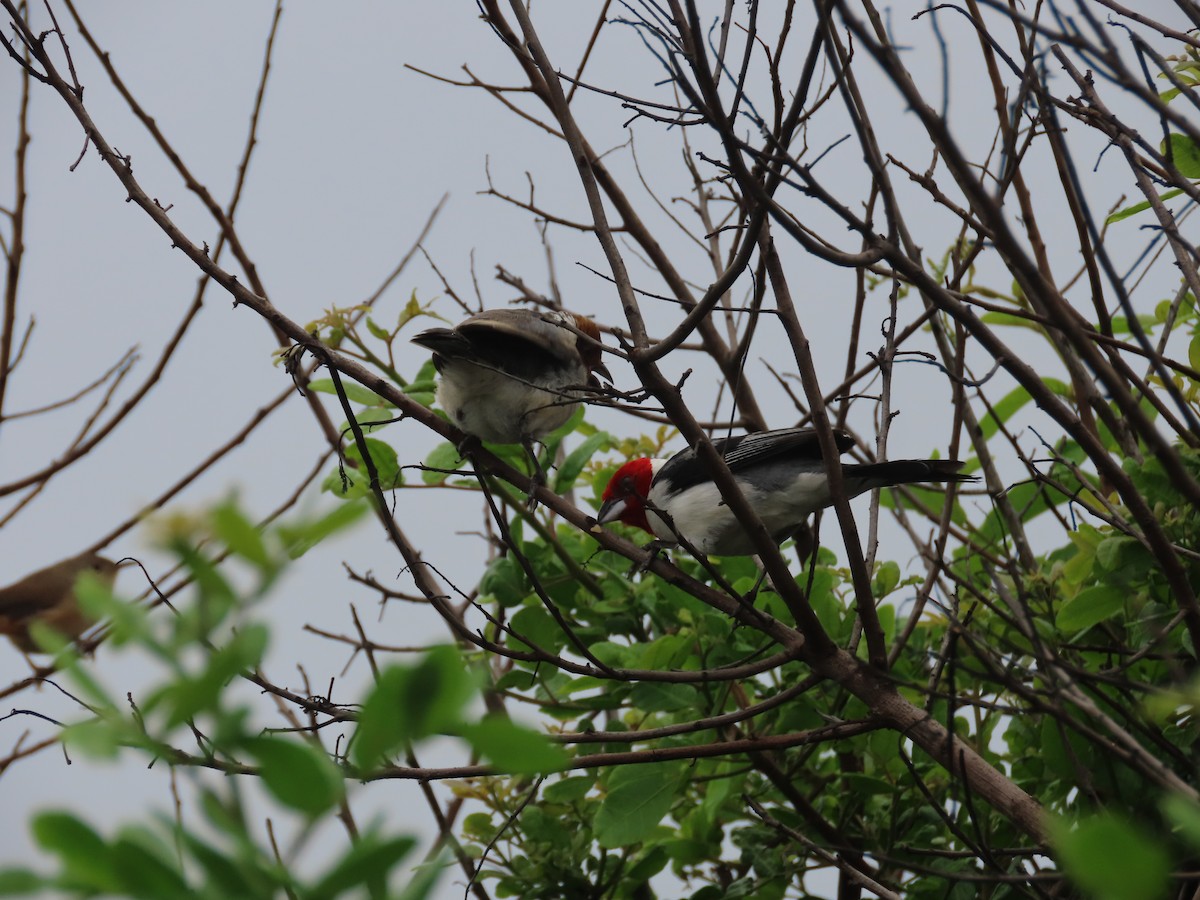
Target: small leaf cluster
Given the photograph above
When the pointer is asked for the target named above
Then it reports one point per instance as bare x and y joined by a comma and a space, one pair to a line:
216, 850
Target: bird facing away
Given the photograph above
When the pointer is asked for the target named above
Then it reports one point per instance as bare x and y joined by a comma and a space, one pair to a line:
48, 596
781, 473
510, 376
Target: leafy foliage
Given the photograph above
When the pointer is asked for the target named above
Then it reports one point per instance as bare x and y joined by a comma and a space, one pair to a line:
164, 858
1003, 713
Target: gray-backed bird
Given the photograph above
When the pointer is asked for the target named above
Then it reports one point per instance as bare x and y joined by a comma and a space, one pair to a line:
510, 376
781, 474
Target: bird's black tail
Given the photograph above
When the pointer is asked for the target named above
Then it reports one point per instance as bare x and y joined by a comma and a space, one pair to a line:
444, 341
905, 471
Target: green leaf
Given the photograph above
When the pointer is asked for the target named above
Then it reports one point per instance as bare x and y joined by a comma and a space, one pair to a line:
354, 391
1122, 555
1012, 402
887, 576
666, 652
350, 479
224, 813
188, 697
1139, 207
300, 537
1032, 498
411, 310
89, 685
1002, 411
658, 696
638, 798
722, 786
145, 873
1078, 568
225, 876
368, 860
428, 372
21, 883
411, 702
240, 535
128, 622
443, 456
99, 738
383, 455
374, 418
691, 853
1184, 153
867, 785
1089, 606
1194, 352
1063, 751
504, 581
1120, 324
425, 398
1185, 311
554, 438
887, 621
1184, 815
1010, 320
298, 774
478, 826
421, 386
1109, 857
537, 627
346, 483
83, 853
614, 655
825, 603
152, 841
578, 458
424, 878
217, 594
378, 331
543, 828
50, 640
514, 748
380, 732
568, 790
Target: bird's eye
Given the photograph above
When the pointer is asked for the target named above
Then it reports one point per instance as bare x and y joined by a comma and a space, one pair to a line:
627, 485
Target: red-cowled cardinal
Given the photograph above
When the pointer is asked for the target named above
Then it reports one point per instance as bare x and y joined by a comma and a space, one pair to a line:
510, 376
781, 473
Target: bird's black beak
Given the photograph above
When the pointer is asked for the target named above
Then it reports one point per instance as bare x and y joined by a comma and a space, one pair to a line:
601, 369
611, 510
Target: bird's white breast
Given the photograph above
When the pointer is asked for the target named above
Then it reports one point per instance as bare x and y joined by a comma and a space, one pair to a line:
502, 410
703, 518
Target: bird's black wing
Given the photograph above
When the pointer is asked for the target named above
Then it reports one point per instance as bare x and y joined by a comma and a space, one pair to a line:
521, 342
746, 451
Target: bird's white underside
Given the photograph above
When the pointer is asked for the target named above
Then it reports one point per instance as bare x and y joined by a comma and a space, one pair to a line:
703, 519
499, 409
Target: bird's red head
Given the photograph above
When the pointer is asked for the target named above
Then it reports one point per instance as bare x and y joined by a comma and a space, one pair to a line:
625, 496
